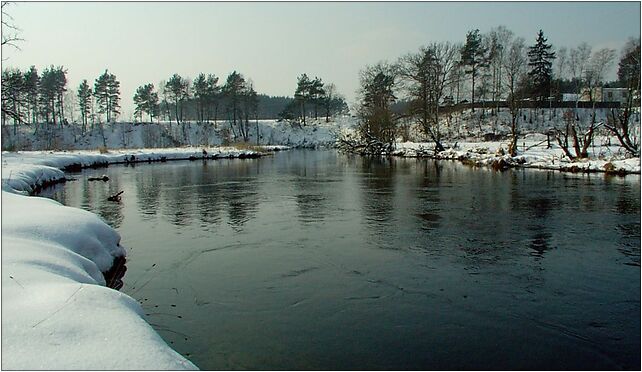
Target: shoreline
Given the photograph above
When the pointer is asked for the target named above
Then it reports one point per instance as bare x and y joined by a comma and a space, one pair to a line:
59, 265
491, 155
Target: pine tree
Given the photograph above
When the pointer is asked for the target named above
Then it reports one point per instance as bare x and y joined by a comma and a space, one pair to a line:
302, 94
213, 95
146, 101
233, 90
107, 93
47, 96
84, 102
113, 90
316, 93
178, 89
31, 83
474, 56
201, 94
540, 59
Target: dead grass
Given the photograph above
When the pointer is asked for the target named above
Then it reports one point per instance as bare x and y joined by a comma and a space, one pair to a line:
103, 150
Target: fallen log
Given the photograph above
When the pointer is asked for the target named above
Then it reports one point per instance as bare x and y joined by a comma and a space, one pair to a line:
115, 197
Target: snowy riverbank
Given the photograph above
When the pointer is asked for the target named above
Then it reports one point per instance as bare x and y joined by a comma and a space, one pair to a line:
57, 312
532, 153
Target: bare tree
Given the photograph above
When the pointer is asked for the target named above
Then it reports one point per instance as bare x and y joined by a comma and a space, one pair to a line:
501, 38
573, 131
578, 59
619, 121
10, 32
378, 125
561, 62
515, 67
425, 75
598, 64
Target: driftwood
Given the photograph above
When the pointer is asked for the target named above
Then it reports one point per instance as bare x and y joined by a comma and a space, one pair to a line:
103, 178
115, 197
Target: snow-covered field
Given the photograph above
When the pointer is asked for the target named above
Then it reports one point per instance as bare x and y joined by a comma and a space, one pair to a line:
57, 312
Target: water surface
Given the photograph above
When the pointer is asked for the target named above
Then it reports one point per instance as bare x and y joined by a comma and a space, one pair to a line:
316, 260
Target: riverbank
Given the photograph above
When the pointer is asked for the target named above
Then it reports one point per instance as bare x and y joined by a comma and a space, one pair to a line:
57, 311
533, 152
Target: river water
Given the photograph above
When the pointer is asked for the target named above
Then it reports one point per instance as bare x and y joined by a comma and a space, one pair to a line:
317, 260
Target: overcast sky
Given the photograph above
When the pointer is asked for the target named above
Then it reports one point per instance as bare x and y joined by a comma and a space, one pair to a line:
272, 43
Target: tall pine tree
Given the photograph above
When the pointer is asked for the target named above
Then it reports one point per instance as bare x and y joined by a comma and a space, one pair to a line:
474, 56
540, 59
303, 93
107, 93
84, 102
146, 101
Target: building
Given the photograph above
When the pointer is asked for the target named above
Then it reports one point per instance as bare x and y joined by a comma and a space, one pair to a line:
615, 95
605, 95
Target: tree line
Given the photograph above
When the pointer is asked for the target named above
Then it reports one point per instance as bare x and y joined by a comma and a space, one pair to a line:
41, 98
313, 97
498, 66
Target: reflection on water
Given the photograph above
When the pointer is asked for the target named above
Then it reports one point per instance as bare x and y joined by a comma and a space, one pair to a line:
315, 260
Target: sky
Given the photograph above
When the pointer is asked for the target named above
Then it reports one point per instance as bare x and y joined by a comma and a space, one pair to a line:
272, 43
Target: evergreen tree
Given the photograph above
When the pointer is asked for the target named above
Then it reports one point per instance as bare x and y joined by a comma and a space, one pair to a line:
201, 94
48, 95
146, 101
31, 85
316, 93
84, 102
473, 55
213, 96
107, 93
113, 89
540, 59
233, 90
302, 94
60, 87
628, 72
178, 92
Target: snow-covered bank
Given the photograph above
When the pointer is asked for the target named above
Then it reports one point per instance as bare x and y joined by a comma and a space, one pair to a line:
57, 312
25, 171
532, 153
317, 133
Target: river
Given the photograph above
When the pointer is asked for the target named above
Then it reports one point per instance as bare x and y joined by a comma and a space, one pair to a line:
318, 260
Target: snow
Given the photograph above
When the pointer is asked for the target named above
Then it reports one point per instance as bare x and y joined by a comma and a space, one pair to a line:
317, 133
57, 312
532, 153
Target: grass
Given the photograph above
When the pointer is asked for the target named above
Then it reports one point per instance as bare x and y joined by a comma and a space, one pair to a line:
103, 150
